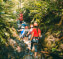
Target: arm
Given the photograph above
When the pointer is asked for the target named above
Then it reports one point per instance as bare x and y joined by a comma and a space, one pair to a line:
20, 30
39, 34
32, 35
28, 33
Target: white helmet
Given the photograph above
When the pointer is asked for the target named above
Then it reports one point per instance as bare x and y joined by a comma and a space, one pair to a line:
23, 27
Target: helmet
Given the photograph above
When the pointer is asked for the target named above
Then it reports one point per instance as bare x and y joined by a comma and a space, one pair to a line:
35, 24
31, 25
22, 27
21, 14
26, 27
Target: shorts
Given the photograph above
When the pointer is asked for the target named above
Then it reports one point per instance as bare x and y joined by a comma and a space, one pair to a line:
21, 36
35, 45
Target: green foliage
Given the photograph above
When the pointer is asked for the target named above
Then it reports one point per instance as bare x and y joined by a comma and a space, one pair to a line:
53, 49
48, 14
6, 14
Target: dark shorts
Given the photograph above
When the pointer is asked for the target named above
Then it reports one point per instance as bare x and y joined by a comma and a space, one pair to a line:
35, 43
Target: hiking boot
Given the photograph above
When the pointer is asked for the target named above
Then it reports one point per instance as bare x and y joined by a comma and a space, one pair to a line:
36, 57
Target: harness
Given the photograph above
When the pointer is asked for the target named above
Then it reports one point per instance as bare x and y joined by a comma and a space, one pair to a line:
35, 39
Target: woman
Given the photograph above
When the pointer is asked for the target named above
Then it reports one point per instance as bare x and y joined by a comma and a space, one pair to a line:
36, 33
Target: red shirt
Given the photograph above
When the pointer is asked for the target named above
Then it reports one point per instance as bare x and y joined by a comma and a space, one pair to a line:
20, 18
36, 33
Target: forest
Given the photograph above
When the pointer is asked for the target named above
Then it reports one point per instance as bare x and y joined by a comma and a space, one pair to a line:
48, 14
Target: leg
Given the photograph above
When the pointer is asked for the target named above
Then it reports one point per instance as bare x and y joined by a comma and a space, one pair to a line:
31, 48
31, 45
36, 52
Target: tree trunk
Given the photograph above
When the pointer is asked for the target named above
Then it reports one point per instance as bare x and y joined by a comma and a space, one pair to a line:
61, 21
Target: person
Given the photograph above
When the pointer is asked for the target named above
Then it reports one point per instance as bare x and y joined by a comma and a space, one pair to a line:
26, 30
36, 33
19, 20
23, 24
18, 23
21, 17
30, 31
22, 32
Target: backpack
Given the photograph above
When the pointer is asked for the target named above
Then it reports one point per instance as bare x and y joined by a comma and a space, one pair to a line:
35, 39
